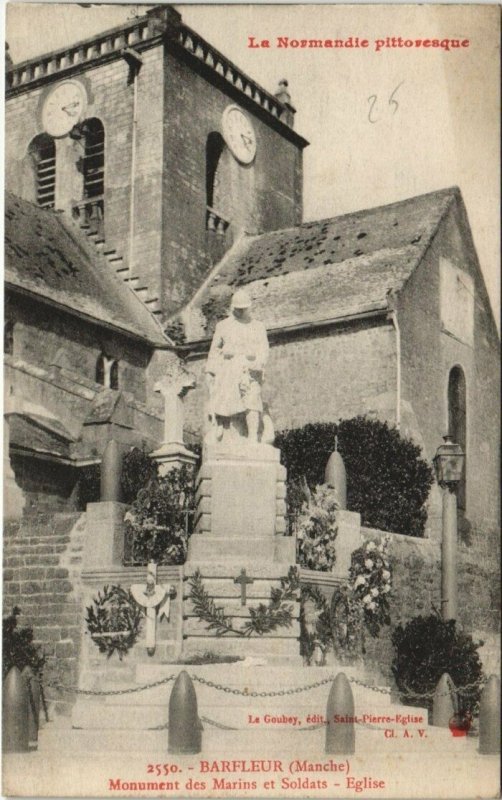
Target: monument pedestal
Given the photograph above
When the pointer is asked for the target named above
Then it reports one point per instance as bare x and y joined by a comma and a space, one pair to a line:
241, 507
240, 551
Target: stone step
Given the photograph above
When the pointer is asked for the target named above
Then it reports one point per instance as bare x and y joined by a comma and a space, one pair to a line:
221, 588
238, 616
133, 282
207, 548
256, 678
279, 713
101, 716
285, 648
257, 743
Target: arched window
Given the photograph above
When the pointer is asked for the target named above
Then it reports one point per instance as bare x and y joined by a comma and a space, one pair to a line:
42, 152
8, 338
457, 422
91, 210
214, 149
94, 158
107, 372
218, 186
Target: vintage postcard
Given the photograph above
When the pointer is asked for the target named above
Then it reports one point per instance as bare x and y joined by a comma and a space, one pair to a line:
251, 407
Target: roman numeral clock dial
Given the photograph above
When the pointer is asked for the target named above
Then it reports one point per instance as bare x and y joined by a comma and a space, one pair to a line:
239, 134
63, 107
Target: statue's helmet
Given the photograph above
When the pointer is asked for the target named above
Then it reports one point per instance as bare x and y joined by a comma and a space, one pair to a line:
241, 299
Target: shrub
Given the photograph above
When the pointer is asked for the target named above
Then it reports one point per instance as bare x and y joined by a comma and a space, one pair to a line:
17, 646
387, 481
158, 523
425, 648
138, 469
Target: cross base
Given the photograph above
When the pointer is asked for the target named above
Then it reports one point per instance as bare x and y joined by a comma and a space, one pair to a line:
218, 579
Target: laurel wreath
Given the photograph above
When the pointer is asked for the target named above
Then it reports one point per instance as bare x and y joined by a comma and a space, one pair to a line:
114, 621
263, 618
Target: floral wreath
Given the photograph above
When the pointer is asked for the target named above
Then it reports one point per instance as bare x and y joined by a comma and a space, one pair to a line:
114, 621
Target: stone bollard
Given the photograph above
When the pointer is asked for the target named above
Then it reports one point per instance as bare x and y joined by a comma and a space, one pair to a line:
15, 701
489, 717
336, 476
185, 729
340, 736
111, 467
444, 702
33, 685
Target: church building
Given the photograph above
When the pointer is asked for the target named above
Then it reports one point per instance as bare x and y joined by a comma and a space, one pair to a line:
147, 178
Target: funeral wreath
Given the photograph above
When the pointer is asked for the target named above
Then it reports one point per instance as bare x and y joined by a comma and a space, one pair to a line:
114, 621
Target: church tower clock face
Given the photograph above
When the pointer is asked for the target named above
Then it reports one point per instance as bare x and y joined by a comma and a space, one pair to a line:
239, 134
63, 107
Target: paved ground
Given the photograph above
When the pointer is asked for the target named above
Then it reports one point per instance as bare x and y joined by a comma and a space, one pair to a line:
422, 769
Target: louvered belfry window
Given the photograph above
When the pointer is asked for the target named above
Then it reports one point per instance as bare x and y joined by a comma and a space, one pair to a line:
94, 159
43, 152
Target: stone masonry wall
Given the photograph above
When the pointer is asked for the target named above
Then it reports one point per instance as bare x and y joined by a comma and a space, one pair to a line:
430, 352
110, 98
42, 566
46, 337
357, 368
265, 195
417, 591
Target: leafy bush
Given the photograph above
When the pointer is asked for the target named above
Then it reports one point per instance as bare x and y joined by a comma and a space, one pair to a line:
158, 523
138, 469
425, 648
387, 481
18, 648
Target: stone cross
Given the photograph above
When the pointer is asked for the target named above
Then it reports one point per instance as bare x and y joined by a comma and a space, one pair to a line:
156, 600
173, 390
243, 580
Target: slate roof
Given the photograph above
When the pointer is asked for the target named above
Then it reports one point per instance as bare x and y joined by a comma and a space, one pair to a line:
53, 260
333, 267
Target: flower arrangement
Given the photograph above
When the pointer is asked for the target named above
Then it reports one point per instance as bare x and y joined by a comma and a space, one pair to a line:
317, 530
370, 579
158, 522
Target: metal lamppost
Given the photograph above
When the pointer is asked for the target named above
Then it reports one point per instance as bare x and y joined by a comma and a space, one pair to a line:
449, 463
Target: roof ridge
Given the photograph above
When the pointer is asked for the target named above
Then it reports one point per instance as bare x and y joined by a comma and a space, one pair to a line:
450, 191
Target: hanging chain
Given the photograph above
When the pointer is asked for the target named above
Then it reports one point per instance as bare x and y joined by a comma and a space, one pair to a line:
110, 692
246, 693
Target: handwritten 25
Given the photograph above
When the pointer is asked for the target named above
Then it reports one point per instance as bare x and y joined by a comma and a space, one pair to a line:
375, 113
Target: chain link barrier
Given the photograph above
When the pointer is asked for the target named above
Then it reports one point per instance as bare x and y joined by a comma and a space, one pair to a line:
279, 693
110, 692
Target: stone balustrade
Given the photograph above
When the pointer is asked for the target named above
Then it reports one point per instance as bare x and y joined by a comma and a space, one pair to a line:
196, 45
110, 42
215, 222
137, 34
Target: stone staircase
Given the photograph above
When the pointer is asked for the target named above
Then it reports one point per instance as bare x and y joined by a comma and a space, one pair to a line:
114, 261
42, 558
138, 722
